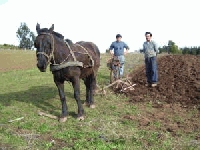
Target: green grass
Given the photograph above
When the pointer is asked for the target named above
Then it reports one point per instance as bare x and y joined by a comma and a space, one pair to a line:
24, 92
16, 60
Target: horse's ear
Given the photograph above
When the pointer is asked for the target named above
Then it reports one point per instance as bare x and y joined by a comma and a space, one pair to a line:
51, 29
38, 28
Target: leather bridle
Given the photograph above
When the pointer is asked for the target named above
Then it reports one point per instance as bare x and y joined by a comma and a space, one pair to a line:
51, 56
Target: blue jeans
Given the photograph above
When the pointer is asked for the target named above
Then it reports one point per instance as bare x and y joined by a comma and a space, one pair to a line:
151, 69
122, 61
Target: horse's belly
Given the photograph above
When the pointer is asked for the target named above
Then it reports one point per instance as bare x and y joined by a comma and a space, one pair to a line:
86, 72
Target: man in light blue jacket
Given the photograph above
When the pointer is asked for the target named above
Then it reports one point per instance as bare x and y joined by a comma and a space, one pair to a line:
150, 50
118, 47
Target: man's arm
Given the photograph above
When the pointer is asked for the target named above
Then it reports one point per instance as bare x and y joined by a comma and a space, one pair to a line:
143, 49
111, 49
126, 47
156, 47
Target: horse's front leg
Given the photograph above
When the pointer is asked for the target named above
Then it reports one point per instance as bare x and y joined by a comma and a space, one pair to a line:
76, 86
64, 112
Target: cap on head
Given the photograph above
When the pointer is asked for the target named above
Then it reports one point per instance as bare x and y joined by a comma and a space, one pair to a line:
148, 33
118, 35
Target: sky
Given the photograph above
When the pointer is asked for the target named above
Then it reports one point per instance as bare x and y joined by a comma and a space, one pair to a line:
99, 21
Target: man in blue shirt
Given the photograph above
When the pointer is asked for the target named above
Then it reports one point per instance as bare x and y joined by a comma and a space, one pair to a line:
118, 47
150, 50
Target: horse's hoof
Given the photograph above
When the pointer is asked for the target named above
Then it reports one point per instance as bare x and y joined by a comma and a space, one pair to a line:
63, 119
81, 118
92, 106
86, 104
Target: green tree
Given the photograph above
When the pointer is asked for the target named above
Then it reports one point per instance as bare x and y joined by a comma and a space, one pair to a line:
25, 36
170, 43
173, 47
161, 50
185, 50
191, 50
198, 50
194, 50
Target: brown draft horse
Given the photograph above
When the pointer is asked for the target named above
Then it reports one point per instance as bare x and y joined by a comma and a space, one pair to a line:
68, 62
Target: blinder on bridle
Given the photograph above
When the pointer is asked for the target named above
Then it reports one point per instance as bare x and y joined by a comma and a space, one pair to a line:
51, 56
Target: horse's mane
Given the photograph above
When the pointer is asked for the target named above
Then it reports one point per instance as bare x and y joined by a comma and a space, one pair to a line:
58, 35
69, 41
80, 42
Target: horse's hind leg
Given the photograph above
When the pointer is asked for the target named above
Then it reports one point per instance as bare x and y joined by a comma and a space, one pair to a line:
76, 86
93, 87
90, 83
64, 113
87, 84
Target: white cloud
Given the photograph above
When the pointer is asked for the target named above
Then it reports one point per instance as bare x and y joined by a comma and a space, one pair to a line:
99, 21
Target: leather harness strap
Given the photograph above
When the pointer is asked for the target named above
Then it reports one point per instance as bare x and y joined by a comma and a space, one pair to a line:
86, 53
54, 66
71, 52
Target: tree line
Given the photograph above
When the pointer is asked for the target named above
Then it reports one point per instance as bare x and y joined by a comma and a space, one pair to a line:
9, 46
26, 41
173, 48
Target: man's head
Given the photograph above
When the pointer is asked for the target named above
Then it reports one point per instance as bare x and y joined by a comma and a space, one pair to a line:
148, 36
118, 37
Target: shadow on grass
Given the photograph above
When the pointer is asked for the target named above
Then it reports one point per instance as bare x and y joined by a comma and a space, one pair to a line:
39, 96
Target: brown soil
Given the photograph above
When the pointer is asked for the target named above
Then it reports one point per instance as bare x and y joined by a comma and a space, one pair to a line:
179, 81
175, 102
168, 118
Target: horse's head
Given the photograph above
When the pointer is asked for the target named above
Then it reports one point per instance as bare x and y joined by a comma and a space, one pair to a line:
44, 43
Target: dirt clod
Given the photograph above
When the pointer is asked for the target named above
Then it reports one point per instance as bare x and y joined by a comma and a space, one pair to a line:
179, 81
173, 106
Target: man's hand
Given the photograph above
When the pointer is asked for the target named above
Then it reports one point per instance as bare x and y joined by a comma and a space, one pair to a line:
126, 52
111, 53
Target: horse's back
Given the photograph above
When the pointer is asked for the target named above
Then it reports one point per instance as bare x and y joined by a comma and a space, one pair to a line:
90, 47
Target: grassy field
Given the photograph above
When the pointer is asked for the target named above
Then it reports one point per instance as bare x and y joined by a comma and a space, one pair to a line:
24, 91
16, 60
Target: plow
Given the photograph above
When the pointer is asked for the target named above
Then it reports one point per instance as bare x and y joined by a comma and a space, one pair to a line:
123, 85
